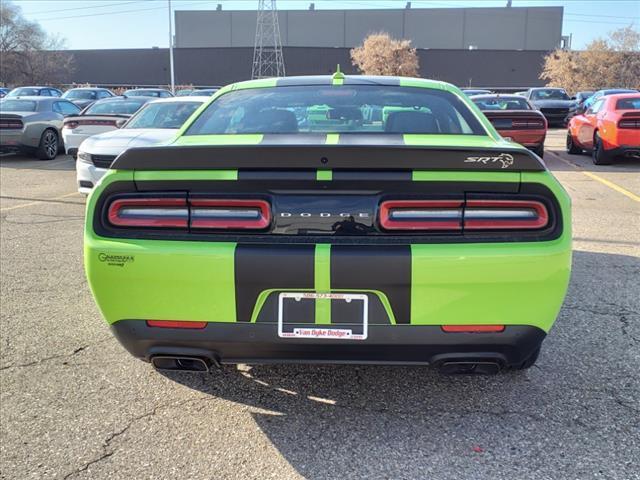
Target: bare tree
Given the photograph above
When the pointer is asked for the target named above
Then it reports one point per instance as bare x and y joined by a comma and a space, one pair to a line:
27, 53
611, 62
382, 55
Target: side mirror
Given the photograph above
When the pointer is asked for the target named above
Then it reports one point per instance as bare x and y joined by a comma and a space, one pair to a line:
120, 122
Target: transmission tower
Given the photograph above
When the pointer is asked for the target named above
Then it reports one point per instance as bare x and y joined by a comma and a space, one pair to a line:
267, 50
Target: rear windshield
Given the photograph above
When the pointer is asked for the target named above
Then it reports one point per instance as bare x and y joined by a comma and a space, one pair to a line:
142, 93
163, 115
80, 94
549, 94
18, 106
501, 103
628, 104
24, 92
344, 109
125, 107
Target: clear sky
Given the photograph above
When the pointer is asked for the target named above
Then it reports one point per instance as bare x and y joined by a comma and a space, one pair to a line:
89, 24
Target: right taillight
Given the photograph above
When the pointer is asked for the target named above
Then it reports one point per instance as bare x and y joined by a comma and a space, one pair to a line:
421, 215
505, 215
459, 215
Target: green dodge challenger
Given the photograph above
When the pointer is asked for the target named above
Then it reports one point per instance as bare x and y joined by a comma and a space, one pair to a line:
338, 219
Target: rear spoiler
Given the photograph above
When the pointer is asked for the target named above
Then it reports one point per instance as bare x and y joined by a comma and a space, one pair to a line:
347, 157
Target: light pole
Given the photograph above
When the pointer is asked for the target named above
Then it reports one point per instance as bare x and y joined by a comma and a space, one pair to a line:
173, 80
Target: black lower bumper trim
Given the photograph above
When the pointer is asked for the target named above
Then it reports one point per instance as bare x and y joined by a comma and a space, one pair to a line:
386, 344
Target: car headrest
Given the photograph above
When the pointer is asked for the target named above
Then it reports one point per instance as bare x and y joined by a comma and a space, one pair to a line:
411, 122
273, 121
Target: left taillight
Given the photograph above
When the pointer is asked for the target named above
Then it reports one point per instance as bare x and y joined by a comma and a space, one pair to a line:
198, 214
149, 212
229, 214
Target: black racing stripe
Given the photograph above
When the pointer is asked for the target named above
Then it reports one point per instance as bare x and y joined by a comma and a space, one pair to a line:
304, 80
371, 139
263, 267
294, 139
383, 268
351, 313
276, 174
301, 312
371, 80
383, 175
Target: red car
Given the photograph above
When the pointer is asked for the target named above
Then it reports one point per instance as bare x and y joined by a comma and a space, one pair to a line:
610, 128
515, 118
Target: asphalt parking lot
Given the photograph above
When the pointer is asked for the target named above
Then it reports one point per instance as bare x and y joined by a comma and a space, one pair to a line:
75, 405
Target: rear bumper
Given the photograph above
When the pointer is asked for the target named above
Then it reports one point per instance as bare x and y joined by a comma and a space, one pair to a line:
11, 140
72, 141
555, 117
386, 344
528, 138
625, 151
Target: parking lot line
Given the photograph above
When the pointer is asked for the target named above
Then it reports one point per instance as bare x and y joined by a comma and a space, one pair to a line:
37, 202
598, 178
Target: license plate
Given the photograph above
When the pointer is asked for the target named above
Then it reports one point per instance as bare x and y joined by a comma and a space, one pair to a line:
290, 326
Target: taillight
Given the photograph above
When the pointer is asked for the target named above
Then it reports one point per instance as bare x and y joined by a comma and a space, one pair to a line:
11, 124
629, 123
454, 215
76, 123
230, 214
527, 124
149, 212
505, 215
183, 213
421, 215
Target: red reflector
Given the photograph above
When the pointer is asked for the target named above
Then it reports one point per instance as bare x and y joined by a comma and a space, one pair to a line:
472, 328
505, 215
149, 212
421, 214
176, 324
230, 214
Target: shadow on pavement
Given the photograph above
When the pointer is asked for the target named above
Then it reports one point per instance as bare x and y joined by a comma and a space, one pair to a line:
410, 422
20, 162
583, 162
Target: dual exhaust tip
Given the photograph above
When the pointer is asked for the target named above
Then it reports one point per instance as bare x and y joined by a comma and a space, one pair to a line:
183, 364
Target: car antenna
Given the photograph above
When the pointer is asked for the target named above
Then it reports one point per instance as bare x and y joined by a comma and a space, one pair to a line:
338, 75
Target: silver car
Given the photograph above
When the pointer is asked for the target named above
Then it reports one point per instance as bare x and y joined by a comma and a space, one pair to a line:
32, 125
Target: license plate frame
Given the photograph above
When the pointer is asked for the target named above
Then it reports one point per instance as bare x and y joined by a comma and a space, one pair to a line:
321, 332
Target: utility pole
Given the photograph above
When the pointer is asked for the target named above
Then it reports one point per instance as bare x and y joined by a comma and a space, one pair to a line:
267, 50
173, 78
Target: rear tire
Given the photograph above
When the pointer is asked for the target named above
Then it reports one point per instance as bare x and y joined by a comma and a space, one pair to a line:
571, 147
48, 146
599, 155
529, 362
